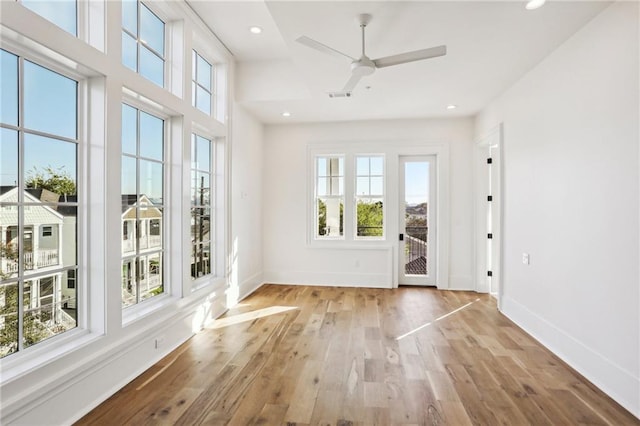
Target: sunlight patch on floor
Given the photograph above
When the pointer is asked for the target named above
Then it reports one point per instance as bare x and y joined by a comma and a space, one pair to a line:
436, 320
249, 316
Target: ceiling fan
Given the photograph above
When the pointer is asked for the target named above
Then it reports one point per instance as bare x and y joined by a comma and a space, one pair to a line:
364, 65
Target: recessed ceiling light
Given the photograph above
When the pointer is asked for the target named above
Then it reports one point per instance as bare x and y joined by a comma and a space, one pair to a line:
255, 30
534, 4
286, 114
451, 106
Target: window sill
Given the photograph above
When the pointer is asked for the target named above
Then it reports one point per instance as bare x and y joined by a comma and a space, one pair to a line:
17, 365
137, 312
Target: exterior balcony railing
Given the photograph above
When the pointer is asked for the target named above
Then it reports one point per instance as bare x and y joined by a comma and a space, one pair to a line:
37, 260
415, 243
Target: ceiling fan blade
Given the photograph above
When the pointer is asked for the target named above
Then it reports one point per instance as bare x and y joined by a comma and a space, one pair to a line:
416, 55
309, 42
351, 84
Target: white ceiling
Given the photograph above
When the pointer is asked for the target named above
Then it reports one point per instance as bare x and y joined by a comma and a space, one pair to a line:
490, 45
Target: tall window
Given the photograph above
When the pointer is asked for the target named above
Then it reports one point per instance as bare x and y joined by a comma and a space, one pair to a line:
142, 205
143, 41
63, 13
369, 196
201, 196
329, 197
202, 84
38, 202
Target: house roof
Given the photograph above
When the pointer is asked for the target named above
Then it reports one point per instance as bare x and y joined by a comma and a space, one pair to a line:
33, 214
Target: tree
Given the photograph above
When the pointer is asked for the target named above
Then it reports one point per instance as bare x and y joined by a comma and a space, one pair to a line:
54, 180
33, 329
370, 219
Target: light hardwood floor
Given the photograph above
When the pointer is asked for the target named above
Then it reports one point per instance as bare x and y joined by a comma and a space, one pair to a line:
299, 355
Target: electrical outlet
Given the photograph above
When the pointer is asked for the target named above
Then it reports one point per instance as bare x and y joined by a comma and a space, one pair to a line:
159, 342
525, 258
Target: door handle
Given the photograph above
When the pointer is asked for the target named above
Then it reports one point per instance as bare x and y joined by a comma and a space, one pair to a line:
401, 237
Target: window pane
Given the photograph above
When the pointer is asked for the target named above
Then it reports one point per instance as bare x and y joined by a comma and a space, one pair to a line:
150, 276
377, 166
151, 136
200, 224
336, 186
200, 260
203, 100
204, 73
57, 250
362, 164
151, 66
151, 180
322, 186
129, 129
128, 182
362, 186
151, 30
129, 285
8, 158
50, 164
9, 241
330, 216
377, 186
322, 167
44, 316
49, 101
69, 297
60, 12
130, 15
129, 52
203, 189
340, 167
9, 88
8, 318
204, 154
369, 218
129, 240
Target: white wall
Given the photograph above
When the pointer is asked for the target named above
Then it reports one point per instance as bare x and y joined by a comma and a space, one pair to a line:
571, 201
288, 258
246, 204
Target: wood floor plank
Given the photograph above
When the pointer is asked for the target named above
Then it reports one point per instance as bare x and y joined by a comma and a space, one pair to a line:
296, 355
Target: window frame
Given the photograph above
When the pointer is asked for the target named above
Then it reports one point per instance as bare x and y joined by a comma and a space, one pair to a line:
316, 177
195, 84
356, 197
44, 60
212, 206
140, 43
130, 311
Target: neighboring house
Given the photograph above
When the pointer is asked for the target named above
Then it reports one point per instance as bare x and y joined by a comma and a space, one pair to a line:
49, 241
141, 243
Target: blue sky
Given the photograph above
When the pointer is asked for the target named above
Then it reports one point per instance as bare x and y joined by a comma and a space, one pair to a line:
416, 182
49, 107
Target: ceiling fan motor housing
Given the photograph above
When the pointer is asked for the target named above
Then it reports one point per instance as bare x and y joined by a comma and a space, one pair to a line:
363, 66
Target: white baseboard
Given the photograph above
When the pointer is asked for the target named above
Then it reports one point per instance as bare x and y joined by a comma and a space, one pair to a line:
329, 279
98, 376
620, 384
250, 285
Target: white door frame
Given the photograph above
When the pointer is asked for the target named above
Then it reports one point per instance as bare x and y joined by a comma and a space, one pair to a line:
490, 145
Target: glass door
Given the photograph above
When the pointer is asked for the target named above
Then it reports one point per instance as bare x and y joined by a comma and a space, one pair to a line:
416, 249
